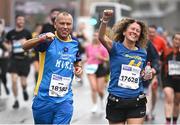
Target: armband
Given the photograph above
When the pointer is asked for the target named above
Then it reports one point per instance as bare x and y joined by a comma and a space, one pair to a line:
42, 37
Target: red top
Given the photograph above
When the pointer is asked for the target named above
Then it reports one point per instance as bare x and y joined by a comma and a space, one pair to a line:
160, 44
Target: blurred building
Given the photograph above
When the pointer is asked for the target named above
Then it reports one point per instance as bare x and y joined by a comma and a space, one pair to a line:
6, 10
34, 10
85, 6
163, 13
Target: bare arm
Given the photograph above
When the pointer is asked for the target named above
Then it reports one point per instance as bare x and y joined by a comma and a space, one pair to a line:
105, 40
31, 43
100, 57
35, 41
7, 46
78, 68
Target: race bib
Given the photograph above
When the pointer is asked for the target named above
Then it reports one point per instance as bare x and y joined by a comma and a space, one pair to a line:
173, 67
129, 77
91, 68
59, 85
17, 47
1, 53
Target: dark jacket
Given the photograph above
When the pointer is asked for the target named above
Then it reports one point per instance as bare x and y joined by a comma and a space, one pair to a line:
153, 58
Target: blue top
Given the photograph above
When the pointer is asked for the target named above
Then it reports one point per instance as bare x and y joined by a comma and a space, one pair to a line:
125, 67
56, 62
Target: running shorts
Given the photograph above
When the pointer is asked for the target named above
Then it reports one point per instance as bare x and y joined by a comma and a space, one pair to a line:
173, 82
47, 112
101, 71
119, 110
19, 66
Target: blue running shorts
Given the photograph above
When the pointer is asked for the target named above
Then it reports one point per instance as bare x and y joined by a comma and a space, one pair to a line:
47, 112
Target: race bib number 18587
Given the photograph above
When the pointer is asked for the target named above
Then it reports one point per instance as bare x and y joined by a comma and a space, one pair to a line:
59, 85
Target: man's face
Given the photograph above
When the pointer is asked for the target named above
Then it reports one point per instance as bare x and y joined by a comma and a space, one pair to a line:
64, 25
20, 21
151, 33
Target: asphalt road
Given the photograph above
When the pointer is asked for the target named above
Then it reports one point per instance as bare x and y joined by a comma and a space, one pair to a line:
82, 106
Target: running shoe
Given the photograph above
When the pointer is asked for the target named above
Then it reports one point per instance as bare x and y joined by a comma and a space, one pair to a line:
149, 118
102, 106
7, 90
94, 108
16, 104
25, 95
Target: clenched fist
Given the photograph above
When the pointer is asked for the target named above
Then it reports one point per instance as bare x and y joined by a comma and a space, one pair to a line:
46, 36
50, 36
107, 14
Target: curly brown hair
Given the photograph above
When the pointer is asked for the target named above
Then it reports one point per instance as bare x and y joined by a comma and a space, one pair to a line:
122, 26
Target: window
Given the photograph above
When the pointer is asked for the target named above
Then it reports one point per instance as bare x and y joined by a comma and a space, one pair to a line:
163, 6
144, 6
125, 13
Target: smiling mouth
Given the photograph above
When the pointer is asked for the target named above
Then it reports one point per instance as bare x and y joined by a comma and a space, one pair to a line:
134, 37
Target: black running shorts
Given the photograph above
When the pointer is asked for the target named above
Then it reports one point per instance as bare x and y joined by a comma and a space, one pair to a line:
21, 67
173, 82
101, 71
119, 110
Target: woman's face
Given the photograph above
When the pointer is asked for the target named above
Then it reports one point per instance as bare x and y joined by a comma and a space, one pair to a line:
133, 32
176, 40
95, 37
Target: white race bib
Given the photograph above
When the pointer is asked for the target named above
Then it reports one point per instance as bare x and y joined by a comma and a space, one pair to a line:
91, 68
17, 47
173, 67
129, 77
1, 53
59, 85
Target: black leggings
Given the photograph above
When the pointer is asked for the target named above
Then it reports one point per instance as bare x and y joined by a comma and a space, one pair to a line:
3, 71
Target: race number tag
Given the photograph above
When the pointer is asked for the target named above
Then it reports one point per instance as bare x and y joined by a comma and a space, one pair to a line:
129, 77
173, 67
17, 47
59, 85
91, 68
1, 53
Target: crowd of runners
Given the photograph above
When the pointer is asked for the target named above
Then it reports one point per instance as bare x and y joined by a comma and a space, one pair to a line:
114, 58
